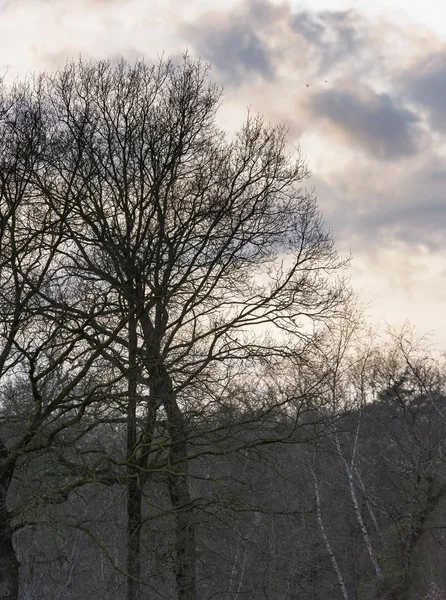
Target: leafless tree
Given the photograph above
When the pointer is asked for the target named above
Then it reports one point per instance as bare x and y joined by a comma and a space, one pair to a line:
47, 379
183, 265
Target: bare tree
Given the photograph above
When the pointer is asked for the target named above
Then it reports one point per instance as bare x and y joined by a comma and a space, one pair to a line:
186, 265
410, 376
47, 380
344, 397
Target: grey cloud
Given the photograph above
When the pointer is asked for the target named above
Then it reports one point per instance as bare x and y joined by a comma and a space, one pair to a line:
427, 86
334, 34
372, 120
385, 207
236, 50
237, 43
419, 212
416, 222
250, 40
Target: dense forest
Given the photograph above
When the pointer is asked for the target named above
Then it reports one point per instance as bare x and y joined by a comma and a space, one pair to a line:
192, 405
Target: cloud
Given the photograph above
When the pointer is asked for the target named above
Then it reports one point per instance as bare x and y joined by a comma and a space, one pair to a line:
335, 35
415, 222
416, 213
426, 84
259, 38
87, 3
244, 43
369, 119
236, 49
371, 205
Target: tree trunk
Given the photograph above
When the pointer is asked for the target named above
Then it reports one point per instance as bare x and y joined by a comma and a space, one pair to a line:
134, 504
185, 550
9, 568
326, 539
365, 533
369, 506
162, 394
134, 522
178, 479
9, 564
134, 494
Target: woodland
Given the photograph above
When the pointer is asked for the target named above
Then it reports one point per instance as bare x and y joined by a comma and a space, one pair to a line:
192, 404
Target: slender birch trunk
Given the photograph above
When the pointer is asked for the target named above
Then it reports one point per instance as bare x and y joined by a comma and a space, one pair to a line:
349, 469
369, 504
326, 539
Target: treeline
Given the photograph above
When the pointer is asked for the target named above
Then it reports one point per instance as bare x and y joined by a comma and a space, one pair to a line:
189, 405
348, 504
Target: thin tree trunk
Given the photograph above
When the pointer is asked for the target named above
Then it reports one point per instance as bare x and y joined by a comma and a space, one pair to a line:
242, 575
134, 493
134, 506
369, 505
418, 519
234, 571
326, 539
9, 564
365, 534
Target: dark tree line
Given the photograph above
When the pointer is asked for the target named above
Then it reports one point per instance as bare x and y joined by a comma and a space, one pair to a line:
270, 520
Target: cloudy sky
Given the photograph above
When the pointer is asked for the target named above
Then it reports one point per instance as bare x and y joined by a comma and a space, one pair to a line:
362, 86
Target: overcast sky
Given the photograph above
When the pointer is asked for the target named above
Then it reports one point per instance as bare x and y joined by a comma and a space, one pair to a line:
362, 86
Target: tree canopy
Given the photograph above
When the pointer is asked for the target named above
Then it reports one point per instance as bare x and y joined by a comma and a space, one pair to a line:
154, 273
